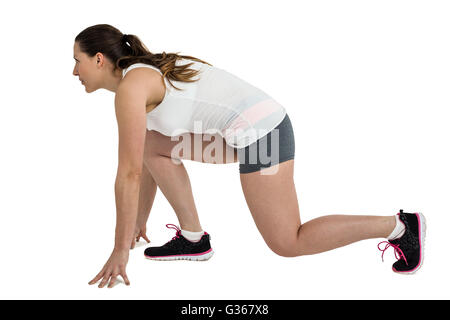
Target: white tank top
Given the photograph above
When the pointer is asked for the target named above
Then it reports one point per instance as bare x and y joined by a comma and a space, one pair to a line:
218, 102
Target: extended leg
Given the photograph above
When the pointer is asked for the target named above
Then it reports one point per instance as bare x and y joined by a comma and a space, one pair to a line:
272, 200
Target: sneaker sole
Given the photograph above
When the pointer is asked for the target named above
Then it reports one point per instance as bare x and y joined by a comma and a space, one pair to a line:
422, 232
191, 257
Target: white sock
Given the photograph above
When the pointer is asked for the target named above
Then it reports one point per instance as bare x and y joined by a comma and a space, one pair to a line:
399, 229
192, 236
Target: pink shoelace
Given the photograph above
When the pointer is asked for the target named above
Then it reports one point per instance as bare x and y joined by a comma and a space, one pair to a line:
171, 226
397, 251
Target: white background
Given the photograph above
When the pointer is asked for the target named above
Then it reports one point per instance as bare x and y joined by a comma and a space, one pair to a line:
365, 84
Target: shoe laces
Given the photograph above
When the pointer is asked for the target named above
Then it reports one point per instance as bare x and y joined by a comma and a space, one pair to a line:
177, 235
397, 251
172, 226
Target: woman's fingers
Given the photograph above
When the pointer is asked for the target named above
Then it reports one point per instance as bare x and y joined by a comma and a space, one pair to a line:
112, 281
105, 279
97, 277
114, 276
125, 278
111, 278
145, 237
114, 267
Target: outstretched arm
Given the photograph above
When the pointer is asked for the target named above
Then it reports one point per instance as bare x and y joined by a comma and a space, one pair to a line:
130, 104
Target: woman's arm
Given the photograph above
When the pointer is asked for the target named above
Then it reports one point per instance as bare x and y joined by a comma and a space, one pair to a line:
131, 119
127, 199
147, 194
130, 102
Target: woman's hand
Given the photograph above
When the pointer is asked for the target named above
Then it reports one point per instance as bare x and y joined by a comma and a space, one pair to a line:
114, 267
140, 232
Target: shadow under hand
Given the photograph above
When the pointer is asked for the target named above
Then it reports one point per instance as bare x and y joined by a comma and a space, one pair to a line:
141, 244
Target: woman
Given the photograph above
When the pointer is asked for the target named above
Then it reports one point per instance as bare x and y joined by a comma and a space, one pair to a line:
165, 115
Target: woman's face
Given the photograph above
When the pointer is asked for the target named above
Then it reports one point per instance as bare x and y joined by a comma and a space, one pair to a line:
86, 69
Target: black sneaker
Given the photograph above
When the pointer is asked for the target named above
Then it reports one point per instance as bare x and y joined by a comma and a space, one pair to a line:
180, 248
409, 248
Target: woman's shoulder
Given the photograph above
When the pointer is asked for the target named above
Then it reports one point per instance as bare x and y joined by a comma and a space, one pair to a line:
140, 66
147, 80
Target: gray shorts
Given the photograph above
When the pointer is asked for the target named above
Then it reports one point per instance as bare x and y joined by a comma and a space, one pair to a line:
275, 147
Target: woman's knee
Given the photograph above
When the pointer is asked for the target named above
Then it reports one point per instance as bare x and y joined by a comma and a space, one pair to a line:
286, 246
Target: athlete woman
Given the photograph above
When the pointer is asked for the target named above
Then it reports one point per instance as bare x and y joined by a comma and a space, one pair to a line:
165, 116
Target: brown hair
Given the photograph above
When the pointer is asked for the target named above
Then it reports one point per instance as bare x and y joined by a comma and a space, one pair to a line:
125, 49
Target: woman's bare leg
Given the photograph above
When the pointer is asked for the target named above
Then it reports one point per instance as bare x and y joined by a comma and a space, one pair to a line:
174, 183
273, 203
171, 175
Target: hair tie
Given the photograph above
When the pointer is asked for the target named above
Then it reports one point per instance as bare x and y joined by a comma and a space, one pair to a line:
125, 39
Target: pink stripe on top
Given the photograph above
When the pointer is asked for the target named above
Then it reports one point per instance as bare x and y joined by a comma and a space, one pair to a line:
254, 114
181, 255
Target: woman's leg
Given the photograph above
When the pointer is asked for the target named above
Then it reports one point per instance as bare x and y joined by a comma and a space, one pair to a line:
172, 177
273, 203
